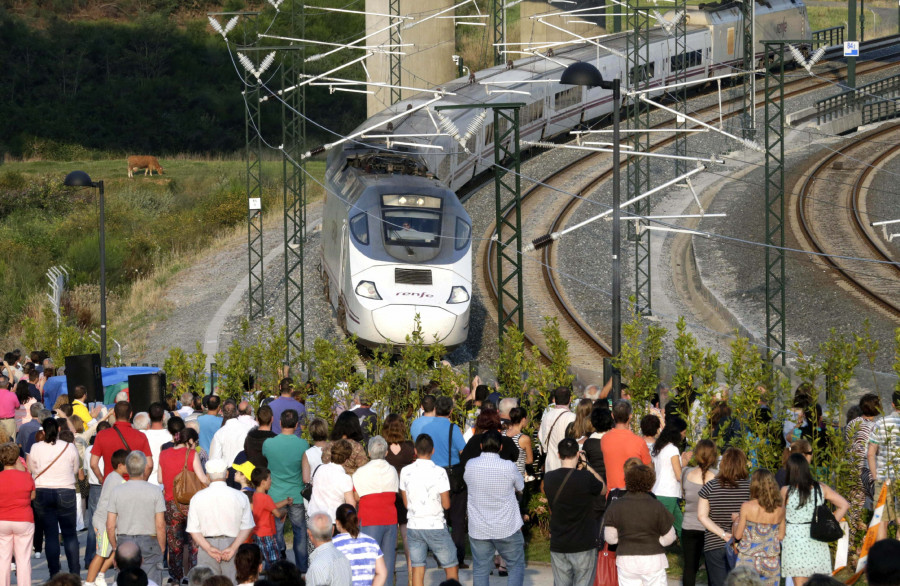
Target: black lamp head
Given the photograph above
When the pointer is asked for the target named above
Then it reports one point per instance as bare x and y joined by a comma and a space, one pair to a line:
78, 179
581, 73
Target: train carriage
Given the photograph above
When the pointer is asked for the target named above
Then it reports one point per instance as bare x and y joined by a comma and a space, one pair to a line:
372, 284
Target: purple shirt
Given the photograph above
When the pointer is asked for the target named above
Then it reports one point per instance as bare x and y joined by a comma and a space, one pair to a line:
282, 404
8, 404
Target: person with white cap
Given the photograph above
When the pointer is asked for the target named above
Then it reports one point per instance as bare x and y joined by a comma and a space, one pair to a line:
219, 520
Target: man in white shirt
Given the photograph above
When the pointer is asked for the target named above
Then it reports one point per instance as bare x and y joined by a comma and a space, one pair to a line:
553, 426
219, 521
187, 402
229, 439
157, 435
425, 489
245, 415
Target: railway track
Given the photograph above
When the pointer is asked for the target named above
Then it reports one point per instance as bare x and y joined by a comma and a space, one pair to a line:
545, 210
832, 219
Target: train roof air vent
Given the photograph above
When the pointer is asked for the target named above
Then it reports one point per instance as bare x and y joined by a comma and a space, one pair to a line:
412, 276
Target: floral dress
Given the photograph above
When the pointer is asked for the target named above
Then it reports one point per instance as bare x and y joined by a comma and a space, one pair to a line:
760, 550
801, 555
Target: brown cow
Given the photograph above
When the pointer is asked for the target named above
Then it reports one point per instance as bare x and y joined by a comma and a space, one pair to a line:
147, 163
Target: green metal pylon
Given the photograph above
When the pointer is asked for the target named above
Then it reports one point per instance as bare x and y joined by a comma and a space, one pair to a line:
293, 125
774, 175
639, 72
508, 198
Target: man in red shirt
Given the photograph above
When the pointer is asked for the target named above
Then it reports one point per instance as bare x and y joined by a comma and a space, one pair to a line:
119, 436
620, 444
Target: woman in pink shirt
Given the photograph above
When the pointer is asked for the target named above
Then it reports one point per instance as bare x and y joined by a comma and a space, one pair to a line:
16, 518
55, 465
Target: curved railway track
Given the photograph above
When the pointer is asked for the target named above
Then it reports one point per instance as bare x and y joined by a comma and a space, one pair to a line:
831, 217
545, 210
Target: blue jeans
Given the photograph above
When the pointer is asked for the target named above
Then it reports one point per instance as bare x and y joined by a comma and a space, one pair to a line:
716, 566
511, 549
386, 536
296, 515
90, 549
437, 540
56, 509
573, 569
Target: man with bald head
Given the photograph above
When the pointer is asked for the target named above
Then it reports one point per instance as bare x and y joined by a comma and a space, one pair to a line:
245, 415
327, 565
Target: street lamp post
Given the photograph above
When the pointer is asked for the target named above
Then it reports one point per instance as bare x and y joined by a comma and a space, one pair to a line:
82, 179
585, 74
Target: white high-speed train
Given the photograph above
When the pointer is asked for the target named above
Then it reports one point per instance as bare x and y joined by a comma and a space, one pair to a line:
396, 241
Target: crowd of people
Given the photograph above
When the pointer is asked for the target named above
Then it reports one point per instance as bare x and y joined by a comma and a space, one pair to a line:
201, 490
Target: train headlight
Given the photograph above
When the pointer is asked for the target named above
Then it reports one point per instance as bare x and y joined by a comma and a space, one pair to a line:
367, 289
458, 295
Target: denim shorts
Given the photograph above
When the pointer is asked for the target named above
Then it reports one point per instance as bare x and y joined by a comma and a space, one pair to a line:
437, 540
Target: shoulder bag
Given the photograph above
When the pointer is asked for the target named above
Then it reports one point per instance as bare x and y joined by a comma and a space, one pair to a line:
186, 484
606, 574
121, 437
58, 456
306, 493
560, 489
547, 451
455, 473
824, 527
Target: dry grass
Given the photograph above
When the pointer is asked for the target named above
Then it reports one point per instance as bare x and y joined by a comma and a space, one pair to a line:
132, 309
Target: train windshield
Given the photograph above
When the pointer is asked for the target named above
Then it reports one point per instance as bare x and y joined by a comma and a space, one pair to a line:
411, 220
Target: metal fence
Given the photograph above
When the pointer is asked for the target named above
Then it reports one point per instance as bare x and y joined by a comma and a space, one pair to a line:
876, 101
830, 36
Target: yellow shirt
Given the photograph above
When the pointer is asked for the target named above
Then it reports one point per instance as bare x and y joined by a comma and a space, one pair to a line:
81, 410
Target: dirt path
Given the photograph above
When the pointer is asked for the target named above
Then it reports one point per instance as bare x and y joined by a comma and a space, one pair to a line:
212, 290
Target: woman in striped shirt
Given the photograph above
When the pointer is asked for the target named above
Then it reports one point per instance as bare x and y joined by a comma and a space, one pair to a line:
720, 503
366, 559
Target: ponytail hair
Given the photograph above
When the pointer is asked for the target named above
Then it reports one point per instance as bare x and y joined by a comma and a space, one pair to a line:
347, 517
51, 430
705, 454
175, 427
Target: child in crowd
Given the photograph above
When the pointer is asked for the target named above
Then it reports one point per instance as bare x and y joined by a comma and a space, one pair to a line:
103, 558
265, 510
242, 475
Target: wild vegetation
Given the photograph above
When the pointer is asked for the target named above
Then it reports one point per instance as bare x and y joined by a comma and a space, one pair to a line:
153, 227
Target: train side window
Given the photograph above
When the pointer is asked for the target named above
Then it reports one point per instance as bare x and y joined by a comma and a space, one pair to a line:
566, 98
642, 73
532, 112
686, 60
359, 226
488, 134
463, 231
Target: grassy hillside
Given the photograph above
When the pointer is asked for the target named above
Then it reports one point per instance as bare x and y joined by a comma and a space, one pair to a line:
152, 225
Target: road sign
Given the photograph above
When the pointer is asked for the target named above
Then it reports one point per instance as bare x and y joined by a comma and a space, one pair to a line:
851, 48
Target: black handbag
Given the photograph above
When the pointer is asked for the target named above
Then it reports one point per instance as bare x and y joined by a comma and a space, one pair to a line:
308, 487
824, 527
455, 473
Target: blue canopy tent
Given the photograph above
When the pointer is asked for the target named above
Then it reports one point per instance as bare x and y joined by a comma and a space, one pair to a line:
114, 380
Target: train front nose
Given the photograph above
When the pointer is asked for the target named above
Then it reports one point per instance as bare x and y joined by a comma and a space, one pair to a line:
395, 322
